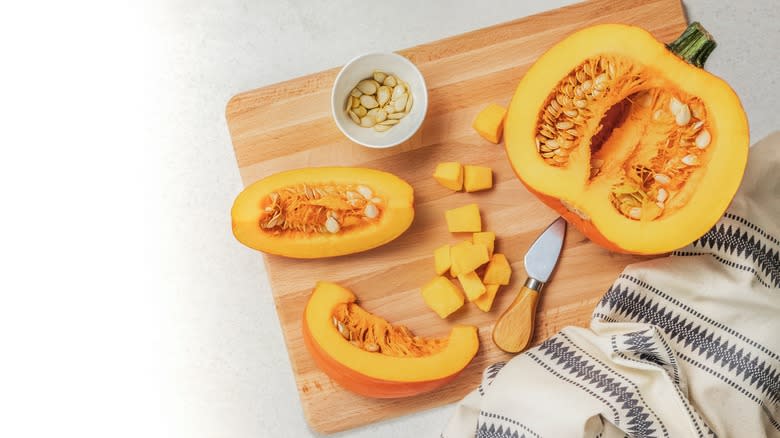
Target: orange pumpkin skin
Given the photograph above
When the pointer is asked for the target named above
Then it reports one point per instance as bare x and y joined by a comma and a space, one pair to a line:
584, 226
376, 374
362, 384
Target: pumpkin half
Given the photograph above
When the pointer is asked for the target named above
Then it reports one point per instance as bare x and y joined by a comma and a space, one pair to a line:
628, 139
322, 212
367, 355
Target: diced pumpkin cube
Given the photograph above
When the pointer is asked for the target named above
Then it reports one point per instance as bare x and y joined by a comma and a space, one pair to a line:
498, 270
472, 285
485, 302
464, 219
455, 249
441, 295
487, 238
449, 175
466, 257
441, 259
490, 122
477, 178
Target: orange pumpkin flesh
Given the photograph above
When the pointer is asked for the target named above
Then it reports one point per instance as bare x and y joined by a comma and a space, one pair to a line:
636, 147
322, 212
379, 360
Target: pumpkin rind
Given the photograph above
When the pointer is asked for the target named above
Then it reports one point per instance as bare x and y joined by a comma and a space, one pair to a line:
395, 214
374, 374
586, 205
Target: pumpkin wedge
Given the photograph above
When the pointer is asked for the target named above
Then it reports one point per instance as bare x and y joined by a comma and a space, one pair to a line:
322, 212
369, 356
628, 139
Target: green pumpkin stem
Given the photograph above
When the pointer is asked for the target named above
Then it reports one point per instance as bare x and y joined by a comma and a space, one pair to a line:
694, 45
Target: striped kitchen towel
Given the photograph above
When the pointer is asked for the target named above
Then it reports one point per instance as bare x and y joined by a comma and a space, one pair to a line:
682, 346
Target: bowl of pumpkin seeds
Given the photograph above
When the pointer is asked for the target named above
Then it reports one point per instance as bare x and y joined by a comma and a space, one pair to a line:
379, 100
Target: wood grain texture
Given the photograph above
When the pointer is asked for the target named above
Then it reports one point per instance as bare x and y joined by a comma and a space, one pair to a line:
288, 125
514, 329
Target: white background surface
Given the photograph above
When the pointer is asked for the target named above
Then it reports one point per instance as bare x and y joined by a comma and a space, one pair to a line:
129, 309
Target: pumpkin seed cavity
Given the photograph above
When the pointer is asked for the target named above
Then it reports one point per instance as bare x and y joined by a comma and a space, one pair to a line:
375, 335
610, 96
320, 208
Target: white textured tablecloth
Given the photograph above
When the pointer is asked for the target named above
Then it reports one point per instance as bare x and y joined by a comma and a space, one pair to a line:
683, 346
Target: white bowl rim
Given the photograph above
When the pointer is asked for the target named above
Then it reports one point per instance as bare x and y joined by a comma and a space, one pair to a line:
346, 66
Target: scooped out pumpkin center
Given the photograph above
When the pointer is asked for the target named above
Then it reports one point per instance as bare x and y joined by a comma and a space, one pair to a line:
374, 334
645, 137
320, 209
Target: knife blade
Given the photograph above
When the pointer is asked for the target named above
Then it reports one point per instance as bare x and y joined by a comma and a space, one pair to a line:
514, 328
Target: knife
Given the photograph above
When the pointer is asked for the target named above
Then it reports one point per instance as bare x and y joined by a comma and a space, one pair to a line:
515, 327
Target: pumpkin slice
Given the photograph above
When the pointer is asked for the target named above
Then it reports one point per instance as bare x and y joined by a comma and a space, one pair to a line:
322, 212
367, 355
632, 142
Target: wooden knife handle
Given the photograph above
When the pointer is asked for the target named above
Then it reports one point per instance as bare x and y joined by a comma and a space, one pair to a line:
515, 327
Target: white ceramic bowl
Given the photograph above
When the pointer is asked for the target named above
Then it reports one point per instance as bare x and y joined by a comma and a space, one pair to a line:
363, 67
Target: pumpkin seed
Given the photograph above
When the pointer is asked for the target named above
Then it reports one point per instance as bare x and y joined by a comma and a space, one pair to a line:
332, 225
683, 116
368, 101
367, 86
675, 106
400, 103
365, 192
380, 76
360, 111
354, 117
660, 178
703, 139
343, 330
355, 92
586, 85
661, 196
367, 122
690, 160
396, 116
389, 81
381, 128
383, 95
371, 211
372, 347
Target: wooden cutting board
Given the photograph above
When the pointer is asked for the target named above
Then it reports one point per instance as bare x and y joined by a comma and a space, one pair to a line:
288, 125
